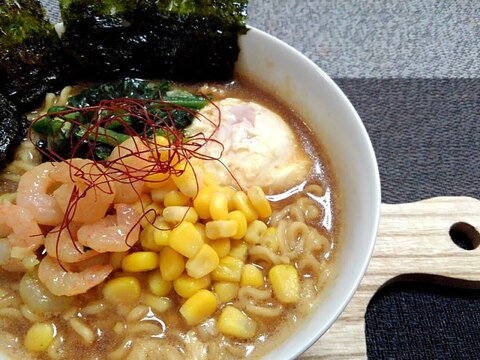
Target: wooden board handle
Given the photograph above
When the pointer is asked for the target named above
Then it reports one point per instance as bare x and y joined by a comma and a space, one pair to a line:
412, 239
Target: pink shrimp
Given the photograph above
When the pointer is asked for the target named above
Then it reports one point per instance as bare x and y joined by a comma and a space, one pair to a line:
128, 189
69, 283
95, 191
21, 236
63, 245
49, 189
130, 162
33, 193
18, 225
114, 233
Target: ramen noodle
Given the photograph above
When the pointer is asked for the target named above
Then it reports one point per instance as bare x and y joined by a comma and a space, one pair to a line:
223, 258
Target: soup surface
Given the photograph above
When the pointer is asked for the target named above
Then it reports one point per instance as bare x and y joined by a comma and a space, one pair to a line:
221, 258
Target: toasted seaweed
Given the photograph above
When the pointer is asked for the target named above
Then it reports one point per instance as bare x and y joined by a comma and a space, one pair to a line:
13, 127
188, 40
32, 60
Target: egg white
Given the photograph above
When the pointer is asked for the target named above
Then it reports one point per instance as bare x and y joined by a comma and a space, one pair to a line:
259, 148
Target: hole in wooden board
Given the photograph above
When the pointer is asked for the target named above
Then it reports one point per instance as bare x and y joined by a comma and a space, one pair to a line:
464, 235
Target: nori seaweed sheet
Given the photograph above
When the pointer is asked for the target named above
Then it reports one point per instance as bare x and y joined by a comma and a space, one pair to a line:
13, 127
189, 40
32, 60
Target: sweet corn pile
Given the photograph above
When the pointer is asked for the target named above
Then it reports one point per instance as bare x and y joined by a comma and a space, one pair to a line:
195, 243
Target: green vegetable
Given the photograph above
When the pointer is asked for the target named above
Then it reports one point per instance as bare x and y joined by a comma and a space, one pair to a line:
141, 89
185, 99
101, 135
57, 133
87, 126
48, 125
126, 88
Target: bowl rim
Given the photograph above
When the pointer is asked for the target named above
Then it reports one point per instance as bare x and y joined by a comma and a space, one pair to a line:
375, 202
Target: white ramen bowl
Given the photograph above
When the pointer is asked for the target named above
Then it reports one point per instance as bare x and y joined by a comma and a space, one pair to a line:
287, 73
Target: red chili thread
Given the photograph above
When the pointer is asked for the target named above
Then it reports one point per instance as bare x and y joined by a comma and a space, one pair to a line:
115, 111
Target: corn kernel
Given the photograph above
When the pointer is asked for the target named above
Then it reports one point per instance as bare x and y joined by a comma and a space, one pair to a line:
270, 239
203, 263
158, 194
39, 337
242, 202
157, 180
125, 289
178, 214
116, 259
236, 323
186, 286
226, 291
238, 249
150, 213
201, 229
221, 246
218, 206
161, 232
186, 239
140, 276
251, 276
155, 236
171, 264
218, 229
175, 198
229, 269
241, 220
229, 192
142, 203
201, 203
285, 283
161, 148
158, 304
199, 307
255, 230
189, 181
146, 239
158, 285
259, 201
140, 261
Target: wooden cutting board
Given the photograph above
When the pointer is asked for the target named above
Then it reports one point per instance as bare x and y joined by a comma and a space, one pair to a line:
412, 239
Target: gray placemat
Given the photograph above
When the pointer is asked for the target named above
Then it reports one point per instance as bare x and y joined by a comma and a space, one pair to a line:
425, 132
379, 38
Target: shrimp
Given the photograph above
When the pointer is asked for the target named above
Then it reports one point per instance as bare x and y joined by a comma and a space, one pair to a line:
114, 233
52, 189
33, 194
19, 226
62, 245
129, 190
69, 283
20, 234
85, 190
131, 156
131, 162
